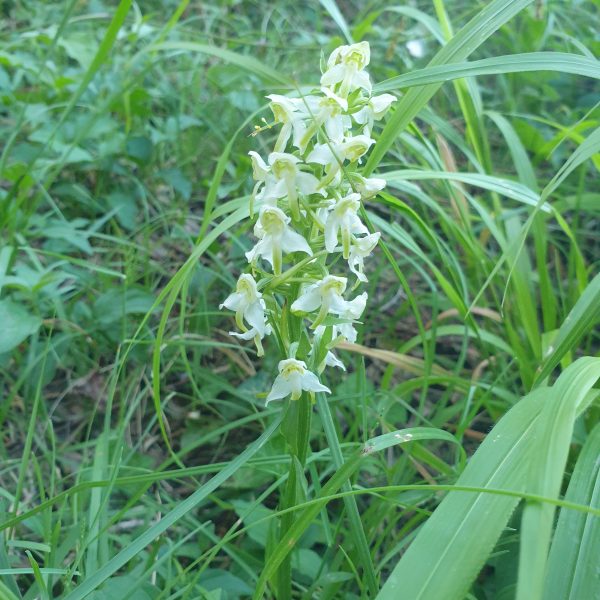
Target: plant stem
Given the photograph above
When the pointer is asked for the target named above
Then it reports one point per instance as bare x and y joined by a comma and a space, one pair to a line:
356, 529
296, 430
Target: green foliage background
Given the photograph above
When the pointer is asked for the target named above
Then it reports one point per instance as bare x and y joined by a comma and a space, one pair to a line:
138, 460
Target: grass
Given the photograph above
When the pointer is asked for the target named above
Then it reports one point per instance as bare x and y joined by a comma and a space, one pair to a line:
456, 455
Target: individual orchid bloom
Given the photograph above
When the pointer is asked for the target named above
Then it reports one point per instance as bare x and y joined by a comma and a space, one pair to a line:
368, 188
332, 155
275, 238
327, 111
346, 330
360, 249
374, 110
249, 306
330, 360
343, 217
260, 172
251, 334
356, 147
354, 310
325, 295
293, 379
288, 112
345, 67
285, 179
352, 149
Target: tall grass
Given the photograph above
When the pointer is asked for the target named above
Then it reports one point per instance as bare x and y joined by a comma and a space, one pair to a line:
455, 459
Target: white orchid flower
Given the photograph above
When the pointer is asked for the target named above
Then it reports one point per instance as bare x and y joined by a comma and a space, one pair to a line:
356, 147
354, 310
249, 306
325, 295
293, 379
288, 112
332, 155
283, 178
343, 218
330, 360
327, 111
352, 149
260, 172
345, 66
360, 249
374, 110
368, 188
275, 238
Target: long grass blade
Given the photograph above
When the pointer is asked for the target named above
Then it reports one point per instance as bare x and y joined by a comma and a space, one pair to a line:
124, 556
561, 62
468, 39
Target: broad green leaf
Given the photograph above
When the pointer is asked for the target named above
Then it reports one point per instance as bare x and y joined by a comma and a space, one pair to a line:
452, 546
553, 433
574, 563
17, 324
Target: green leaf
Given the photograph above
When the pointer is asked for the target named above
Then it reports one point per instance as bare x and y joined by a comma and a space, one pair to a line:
134, 548
580, 320
510, 189
574, 562
17, 324
452, 546
114, 304
514, 63
568, 397
338, 480
247, 63
468, 39
334, 12
139, 148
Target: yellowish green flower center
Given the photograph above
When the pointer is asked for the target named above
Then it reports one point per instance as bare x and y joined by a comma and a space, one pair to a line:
272, 222
334, 286
283, 168
292, 368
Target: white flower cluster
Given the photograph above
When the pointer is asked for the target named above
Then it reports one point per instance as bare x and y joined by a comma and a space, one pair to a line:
308, 199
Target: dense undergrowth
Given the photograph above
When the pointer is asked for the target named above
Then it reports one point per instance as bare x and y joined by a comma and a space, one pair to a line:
139, 460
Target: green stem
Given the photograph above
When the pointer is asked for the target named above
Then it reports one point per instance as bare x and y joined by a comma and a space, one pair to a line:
296, 430
281, 279
356, 529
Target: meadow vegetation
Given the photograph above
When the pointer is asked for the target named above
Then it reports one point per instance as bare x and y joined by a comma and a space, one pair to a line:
457, 455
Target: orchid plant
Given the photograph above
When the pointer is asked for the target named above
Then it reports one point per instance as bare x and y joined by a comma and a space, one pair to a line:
308, 195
